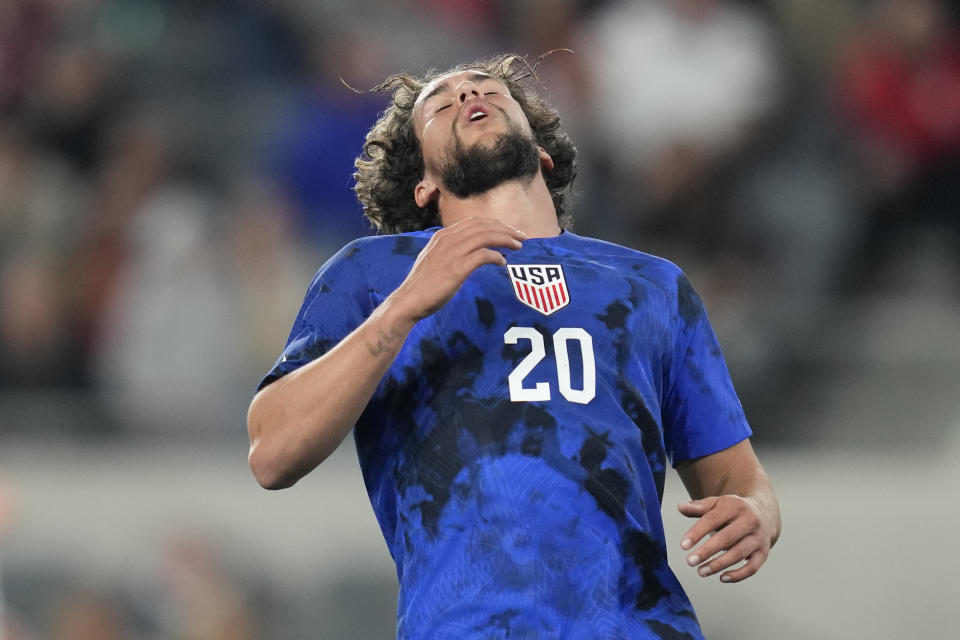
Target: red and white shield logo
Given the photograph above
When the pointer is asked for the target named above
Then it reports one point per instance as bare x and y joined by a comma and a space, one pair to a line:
540, 286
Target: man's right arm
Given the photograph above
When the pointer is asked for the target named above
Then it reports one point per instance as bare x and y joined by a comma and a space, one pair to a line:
297, 421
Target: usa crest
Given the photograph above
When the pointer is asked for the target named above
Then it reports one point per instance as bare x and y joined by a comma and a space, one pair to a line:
540, 286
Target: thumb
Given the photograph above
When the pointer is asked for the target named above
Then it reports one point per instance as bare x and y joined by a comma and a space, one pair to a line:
696, 508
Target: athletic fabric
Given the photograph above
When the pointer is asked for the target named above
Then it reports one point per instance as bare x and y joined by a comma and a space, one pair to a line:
515, 451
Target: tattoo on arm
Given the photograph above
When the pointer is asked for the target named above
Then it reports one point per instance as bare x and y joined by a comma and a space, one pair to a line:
383, 342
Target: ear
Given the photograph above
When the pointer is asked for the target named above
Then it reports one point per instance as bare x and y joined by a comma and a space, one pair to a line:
425, 192
546, 162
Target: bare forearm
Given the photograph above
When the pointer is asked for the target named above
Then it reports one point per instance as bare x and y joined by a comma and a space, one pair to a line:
297, 421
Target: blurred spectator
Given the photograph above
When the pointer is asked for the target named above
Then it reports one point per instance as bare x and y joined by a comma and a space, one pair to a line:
552, 28
680, 86
481, 15
266, 271
36, 347
86, 614
322, 135
189, 594
68, 102
197, 284
164, 356
135, 161
359, 44
23, 30
39, 344
900, 89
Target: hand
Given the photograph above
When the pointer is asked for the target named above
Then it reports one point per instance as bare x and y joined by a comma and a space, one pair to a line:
452, 254
741, 531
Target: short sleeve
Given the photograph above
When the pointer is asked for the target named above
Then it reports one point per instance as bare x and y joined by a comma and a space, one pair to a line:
336, 303
701, 411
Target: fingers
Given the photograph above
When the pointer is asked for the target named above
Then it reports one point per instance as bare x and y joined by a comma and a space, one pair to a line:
459, 249
448, 259
696, 508
463, 247
736, 555
737, 535
472, 225
722, 540
481, 257
712, 514
476, 233
754, 562
727, 555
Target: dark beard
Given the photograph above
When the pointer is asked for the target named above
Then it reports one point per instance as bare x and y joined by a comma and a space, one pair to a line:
468, 172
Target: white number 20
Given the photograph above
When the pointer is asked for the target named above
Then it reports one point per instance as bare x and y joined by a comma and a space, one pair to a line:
541, 390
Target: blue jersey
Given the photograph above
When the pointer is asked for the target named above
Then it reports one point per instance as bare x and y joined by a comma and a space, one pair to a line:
515, 451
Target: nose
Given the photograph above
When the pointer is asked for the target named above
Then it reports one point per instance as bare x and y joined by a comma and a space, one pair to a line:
467, 90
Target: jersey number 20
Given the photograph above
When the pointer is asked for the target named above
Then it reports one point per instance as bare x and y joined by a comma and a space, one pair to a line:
540, 391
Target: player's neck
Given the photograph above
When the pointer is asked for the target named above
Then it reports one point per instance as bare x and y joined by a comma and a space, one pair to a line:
527, 207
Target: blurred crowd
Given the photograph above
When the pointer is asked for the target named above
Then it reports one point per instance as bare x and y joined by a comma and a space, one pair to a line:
172, 173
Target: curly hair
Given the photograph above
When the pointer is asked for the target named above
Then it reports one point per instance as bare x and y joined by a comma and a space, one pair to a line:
391, 164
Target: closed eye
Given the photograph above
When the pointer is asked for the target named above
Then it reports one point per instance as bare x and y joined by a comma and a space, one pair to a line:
446, 106
491, 93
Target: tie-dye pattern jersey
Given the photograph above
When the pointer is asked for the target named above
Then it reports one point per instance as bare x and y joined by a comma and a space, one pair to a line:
515, 451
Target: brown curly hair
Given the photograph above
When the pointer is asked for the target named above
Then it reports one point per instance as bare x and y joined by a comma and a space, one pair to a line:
391, 164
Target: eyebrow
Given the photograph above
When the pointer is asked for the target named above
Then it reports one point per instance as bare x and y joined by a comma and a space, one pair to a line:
443, 86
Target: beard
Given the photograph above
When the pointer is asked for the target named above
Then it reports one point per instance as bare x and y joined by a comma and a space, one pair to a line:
469, 172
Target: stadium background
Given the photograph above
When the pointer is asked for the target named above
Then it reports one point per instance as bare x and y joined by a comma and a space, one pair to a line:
172, 172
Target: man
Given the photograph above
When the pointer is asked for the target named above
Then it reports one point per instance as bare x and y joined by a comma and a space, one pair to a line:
514, 389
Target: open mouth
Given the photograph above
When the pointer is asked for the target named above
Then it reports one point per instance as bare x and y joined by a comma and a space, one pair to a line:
476, 113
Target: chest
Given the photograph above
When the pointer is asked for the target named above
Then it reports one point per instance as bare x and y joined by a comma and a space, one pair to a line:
539, 331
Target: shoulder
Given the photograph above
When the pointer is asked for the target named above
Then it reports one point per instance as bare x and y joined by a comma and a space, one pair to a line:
384, 246
631, 262
661, 282
613, 251
370, 263
378, 252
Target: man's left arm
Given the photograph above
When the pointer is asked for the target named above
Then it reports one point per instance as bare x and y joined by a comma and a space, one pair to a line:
734, 501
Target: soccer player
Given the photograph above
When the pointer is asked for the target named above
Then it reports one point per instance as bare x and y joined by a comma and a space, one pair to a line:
514, 390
